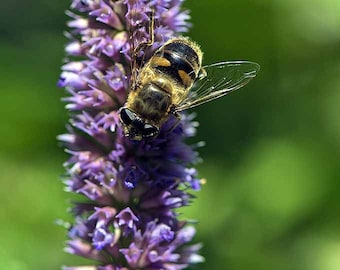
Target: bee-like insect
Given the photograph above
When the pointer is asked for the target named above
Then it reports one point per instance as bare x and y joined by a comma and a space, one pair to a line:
173, 80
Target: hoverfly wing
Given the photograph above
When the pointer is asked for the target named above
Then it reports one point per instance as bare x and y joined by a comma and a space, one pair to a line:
220, 79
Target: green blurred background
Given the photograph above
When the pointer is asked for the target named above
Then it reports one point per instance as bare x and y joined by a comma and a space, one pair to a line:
272, 195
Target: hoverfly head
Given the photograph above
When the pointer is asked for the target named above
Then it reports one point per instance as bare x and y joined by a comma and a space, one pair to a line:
135, 127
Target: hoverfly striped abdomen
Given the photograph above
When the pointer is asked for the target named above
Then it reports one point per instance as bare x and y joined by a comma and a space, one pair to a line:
179, 61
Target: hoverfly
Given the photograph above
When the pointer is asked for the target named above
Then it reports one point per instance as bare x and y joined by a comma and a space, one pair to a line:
174, 80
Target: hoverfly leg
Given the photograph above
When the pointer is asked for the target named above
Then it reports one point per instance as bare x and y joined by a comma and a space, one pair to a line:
178, 119
151, 33
137, 62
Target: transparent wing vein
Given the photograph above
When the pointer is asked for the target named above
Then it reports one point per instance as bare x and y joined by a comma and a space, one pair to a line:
221, 79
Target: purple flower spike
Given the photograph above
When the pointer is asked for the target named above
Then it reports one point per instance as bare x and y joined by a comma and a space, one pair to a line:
127, 219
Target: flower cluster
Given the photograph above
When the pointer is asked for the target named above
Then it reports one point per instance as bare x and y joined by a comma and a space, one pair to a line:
132, 189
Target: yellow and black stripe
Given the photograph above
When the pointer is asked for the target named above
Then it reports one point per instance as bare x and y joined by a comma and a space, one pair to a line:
178, 61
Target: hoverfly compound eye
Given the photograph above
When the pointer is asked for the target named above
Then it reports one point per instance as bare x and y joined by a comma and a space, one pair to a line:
149, 130
127, 116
